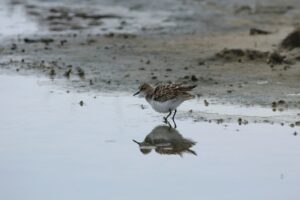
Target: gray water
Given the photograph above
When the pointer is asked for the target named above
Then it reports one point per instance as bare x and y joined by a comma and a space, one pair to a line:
53, 148
141, 17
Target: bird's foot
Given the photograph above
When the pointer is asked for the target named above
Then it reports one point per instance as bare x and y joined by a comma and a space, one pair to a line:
165, 120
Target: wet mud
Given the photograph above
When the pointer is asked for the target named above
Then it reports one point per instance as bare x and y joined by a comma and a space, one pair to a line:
242, 58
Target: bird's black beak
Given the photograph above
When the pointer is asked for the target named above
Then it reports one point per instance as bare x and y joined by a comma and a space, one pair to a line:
136, 93
136, 142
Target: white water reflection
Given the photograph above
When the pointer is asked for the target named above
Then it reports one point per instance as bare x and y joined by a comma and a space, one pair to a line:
164, 139
53, 148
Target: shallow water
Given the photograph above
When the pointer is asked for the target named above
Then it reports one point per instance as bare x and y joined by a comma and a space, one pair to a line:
14, 21
53, 148
137, 16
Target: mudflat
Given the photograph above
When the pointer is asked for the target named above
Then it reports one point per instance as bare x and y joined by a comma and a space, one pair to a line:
234, 52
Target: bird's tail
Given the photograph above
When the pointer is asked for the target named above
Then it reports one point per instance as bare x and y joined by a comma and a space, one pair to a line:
188, 88
189, 96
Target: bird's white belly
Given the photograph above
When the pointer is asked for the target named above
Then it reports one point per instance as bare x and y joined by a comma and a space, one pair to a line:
165, 107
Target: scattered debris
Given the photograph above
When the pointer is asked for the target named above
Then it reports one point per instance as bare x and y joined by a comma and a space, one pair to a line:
206, 102
256, 31
52, 72
276, 58
220, 121
81, 103
194, 78
80, 72
14, 46
292, 40
201, 62
240, 121
67, 73
46, 41
143, 107
272, 9
236, 54
242, 9
95, 16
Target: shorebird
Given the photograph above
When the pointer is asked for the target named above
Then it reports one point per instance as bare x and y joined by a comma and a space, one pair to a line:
165, 98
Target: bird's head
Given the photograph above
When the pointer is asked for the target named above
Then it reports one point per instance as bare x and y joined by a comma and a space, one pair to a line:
144, 89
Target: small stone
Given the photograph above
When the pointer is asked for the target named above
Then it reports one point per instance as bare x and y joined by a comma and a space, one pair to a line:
206, 103
80, 72
194, 78
201, 63
52, 72
81, 103
67, 73
14, 46
240, 121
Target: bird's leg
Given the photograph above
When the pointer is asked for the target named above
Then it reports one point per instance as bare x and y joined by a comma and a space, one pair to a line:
175, 125
170, 126
166, 118
173, 118
174, 114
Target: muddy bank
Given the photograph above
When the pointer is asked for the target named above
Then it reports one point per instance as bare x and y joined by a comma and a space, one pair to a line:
241, 74
232, 66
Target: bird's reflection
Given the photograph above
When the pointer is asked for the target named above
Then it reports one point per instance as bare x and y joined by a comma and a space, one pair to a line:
166, 140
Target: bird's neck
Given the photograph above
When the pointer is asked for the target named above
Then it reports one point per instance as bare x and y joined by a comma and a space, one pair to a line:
149, 94
148, 97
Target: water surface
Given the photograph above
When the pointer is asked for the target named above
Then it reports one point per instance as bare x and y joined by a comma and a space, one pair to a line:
53, 148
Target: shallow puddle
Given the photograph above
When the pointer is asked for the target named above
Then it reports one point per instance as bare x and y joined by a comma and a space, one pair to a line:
14, 21
51, 147
30, 17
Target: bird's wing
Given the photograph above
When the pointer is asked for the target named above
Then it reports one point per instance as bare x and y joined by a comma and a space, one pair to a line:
165, 92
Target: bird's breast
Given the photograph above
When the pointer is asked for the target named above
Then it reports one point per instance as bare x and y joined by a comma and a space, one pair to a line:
164, 107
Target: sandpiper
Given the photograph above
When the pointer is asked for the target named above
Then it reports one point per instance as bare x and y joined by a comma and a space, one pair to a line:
165, 98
